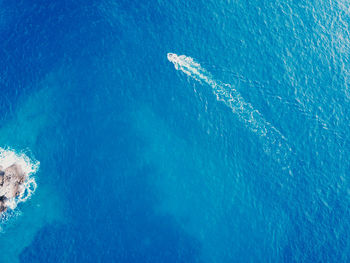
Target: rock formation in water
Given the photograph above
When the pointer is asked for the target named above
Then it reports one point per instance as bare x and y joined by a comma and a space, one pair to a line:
11, 184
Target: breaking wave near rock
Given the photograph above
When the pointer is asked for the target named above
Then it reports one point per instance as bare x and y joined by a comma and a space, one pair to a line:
17, 182
275, 144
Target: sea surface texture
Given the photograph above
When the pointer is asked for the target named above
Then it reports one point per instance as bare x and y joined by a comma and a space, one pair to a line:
177, 131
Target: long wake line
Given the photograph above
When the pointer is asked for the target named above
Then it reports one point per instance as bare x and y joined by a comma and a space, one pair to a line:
275, 144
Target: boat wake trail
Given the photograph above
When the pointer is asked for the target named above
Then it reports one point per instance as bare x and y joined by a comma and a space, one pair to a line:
275, 144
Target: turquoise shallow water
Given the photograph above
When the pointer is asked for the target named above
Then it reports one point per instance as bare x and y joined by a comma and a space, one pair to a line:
239, 156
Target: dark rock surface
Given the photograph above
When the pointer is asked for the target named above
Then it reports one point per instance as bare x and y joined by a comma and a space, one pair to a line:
11, 184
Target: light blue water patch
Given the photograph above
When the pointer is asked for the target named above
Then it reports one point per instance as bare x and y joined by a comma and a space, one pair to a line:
31, 127
209, 195
142, 163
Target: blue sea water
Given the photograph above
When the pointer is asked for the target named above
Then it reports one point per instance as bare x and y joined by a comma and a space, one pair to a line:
143, 162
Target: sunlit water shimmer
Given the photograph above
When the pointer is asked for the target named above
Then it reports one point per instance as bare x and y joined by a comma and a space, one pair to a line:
241, 154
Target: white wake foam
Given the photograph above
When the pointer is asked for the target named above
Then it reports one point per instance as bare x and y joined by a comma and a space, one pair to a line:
29, 166
275, 144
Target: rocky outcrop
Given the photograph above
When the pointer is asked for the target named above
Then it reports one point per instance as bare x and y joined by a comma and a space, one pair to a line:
11, 184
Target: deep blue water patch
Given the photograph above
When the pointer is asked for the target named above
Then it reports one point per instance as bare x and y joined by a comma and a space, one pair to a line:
142, 163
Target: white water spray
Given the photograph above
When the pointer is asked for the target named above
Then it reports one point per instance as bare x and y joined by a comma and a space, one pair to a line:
9, 157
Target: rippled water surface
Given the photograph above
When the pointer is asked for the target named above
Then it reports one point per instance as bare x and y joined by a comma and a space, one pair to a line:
239, 153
